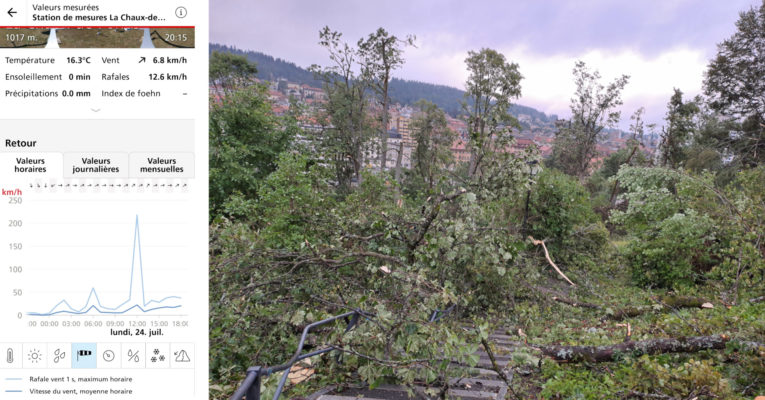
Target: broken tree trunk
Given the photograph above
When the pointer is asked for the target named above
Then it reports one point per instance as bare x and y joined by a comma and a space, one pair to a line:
663, 304
616, 181
573, 354
399, 157
549, 260
573, 303
666, 303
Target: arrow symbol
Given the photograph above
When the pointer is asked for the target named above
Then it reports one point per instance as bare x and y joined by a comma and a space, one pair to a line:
11, 12
142, 60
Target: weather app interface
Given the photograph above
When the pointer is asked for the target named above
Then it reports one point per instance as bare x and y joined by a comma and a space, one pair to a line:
103, 202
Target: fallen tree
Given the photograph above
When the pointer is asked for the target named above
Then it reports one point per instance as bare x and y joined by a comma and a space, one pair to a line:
573, 354
663, 303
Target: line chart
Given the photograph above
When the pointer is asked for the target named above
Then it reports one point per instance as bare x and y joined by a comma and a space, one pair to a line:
136, 298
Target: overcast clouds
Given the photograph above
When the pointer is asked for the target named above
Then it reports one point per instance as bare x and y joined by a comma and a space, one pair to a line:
661, 44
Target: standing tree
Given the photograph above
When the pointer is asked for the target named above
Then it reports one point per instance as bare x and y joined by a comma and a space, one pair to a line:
680, 127
637, 130
229, 72
380, 54
492, 83
734, 81
434, 139
246, 137
347, 129
592, 110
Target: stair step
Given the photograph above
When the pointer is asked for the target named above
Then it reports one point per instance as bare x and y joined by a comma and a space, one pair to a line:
498, 336
497, 357
484, 384
482, 372
382, 392
470, 395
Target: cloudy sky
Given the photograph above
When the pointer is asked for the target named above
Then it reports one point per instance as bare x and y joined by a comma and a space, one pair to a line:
660, 44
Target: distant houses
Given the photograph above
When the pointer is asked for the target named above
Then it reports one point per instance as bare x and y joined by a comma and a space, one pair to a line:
534, 132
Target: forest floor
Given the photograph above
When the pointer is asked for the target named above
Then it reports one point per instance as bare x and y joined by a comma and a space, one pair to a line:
605, 309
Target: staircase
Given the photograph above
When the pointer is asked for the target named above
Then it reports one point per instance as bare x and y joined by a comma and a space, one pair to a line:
483, 384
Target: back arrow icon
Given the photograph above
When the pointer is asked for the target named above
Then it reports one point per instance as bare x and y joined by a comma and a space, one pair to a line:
11, 12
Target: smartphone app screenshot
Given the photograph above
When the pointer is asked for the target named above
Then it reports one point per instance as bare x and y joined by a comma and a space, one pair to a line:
103, 202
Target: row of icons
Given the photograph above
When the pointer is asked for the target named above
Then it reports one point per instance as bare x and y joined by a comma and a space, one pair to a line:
97, 355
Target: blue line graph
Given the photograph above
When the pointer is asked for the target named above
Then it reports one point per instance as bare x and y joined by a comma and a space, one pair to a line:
93, 303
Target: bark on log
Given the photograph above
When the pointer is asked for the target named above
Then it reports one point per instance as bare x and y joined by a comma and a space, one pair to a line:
667, 303
572, 354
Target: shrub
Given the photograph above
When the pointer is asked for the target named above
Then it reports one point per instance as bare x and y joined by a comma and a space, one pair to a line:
685, 227
654, 374
673, 252
560, 212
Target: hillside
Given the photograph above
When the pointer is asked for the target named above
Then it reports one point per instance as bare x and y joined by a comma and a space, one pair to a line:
402, 91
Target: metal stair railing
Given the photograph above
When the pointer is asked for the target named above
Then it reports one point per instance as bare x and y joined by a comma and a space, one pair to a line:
250, 387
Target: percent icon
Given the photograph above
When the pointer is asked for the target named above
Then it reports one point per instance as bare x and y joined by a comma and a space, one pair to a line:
133, 355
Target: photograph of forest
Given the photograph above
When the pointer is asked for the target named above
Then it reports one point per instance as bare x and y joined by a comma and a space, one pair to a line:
489, 200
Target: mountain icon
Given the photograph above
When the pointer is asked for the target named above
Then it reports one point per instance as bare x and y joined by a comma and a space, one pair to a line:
182, 356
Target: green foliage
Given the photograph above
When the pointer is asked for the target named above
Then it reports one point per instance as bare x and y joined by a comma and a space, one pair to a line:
291, 201
685, 226
593, 109
245, 140
298, 236
492, 84
673, 252
734, 84
230, 71
306, 256
560, 212
434, 139
653, 374
558, 204
612, 163
345, 116
381, 53
674, 242
604, 189
570, 383
402, 91
700, 159
680, 125
740, 221
602, 184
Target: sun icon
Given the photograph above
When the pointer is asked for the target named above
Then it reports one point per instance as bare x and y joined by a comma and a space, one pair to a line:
34, 356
